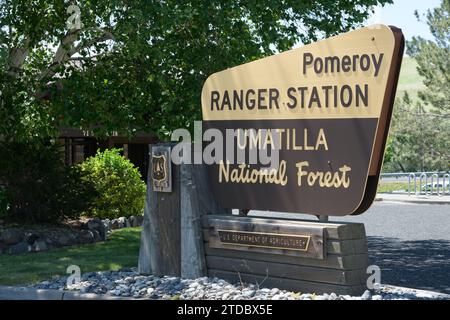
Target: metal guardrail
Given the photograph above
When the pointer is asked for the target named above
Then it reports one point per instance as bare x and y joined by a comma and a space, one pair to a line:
430, 183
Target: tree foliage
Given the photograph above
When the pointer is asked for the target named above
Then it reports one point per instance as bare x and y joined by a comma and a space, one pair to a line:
433, 58
36, 186
118, 184
140, 65
418, 140
420, 131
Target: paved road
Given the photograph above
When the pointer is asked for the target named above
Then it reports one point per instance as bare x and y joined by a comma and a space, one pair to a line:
409, 242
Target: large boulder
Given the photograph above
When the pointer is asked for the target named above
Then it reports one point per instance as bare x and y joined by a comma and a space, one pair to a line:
11, 236
61, 237
40, 245
97, 225
115, 224
133, 221
31, 237
122, 222
19, 248
86, 236
108, 225
140, 220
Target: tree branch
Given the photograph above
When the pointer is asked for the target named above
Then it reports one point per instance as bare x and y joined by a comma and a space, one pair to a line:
17, 58
66, 50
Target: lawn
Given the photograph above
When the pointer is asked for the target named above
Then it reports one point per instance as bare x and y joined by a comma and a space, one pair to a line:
120, 251
388, 187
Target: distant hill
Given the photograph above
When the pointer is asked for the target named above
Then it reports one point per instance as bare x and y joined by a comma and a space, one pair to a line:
409, 80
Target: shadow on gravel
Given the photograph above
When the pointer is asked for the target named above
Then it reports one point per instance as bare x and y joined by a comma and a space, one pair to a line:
421, 264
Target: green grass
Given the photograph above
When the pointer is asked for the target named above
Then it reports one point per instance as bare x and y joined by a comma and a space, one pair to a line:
388, 187
120, 251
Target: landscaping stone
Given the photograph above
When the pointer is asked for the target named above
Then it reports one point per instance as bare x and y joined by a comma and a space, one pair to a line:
65, 239
39, 245
87, 236
115, 224
41, 238
11, 236
367, 295
31, 237
133, 221
97, 225
19, 248
122, 222
128, 283
108, 225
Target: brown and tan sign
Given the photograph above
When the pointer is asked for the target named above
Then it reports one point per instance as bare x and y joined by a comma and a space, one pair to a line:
328, 104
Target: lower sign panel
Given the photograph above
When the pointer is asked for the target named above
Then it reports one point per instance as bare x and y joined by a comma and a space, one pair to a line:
323, 165
244, 234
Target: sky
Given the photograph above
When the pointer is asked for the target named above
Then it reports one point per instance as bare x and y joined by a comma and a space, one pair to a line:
401, 14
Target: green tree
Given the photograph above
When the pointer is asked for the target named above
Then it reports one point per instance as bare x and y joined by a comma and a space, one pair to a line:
418, 139
126, 66
419, 135
433, 58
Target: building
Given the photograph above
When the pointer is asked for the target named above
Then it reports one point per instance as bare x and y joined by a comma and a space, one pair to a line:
79, 145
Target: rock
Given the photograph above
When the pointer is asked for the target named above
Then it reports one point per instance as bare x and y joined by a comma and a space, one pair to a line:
39, 245
97, 236
127, 223
122, 222
19, 248
115, 224
86, 236
97, 225
31, 237
248, 294
107, 224
11, 236
133, 221
367, 295
194, 285
139, 220
64, 239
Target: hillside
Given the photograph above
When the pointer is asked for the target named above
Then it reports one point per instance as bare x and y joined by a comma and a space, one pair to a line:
409, 80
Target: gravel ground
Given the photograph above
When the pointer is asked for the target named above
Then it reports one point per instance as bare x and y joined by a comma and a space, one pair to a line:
128, 283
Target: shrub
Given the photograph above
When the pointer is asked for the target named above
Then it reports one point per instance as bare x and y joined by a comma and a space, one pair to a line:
120, 190
38, 187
